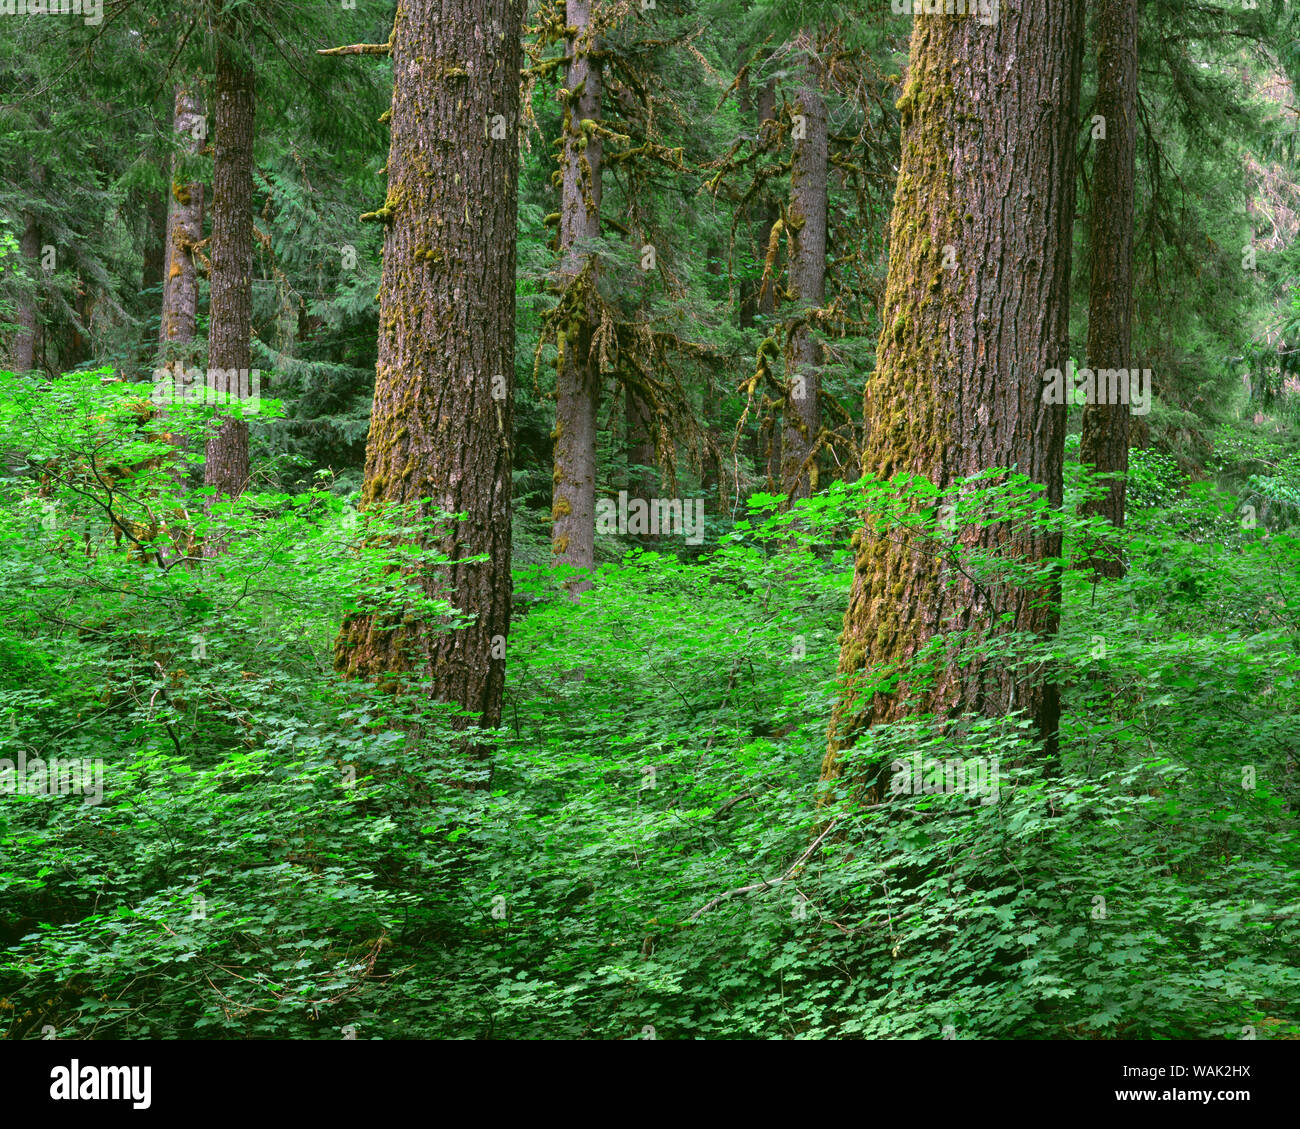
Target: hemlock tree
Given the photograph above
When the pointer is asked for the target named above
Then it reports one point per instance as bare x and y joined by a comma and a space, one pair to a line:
976, 310
578, 378
1104, 442
184, 231
807, 220
441, 423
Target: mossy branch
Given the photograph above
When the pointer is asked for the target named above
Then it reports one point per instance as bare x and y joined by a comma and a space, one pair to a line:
358, 49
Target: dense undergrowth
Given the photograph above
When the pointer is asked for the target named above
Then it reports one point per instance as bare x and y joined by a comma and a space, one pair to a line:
279, 853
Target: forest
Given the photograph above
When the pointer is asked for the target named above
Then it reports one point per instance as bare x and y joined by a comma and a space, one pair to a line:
649, 520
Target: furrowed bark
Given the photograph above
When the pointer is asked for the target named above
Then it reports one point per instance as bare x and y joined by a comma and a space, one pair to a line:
442, 419
230, 328
987, 171
1105, 438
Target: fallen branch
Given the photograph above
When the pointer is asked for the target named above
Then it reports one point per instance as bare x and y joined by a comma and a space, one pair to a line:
761, 887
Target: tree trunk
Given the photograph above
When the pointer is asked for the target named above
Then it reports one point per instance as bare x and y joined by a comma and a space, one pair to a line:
768, 444
230, 327
801, 414
23, 348
153, 270
577, 392
755, 300
640, 446
1105, 439
444, 382
184, 229
987, 170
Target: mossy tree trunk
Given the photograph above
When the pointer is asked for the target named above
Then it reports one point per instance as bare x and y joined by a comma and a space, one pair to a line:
1105, 438
755, 300
577, 391
987, 171
442, 417
760, 301
230, 328
801, 413
184, 230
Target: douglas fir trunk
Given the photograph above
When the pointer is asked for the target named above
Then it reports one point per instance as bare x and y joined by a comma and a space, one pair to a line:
442, 416
1104, 442
976, 310
230, 328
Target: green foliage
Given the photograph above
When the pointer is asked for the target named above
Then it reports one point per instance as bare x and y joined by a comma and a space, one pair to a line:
279, 853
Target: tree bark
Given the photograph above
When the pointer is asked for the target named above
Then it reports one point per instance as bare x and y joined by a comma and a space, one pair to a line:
1105, 439
801, 414
184, 229
230, 328
987, 170
444, 384
577, 392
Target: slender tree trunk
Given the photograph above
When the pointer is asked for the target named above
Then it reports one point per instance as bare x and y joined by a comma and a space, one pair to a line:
754, 300
153, 270
230, 327
765, 300
577, 393
801, 414
638, 421
184, 229
25, 313
1105, 439
640, 446
711, 469
444, 383
987, 171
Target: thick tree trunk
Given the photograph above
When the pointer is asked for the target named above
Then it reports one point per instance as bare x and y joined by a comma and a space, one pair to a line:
23, 348
577, 392
230, 327
180, 301
444, 383
801, 414
1105, 439
987, 170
